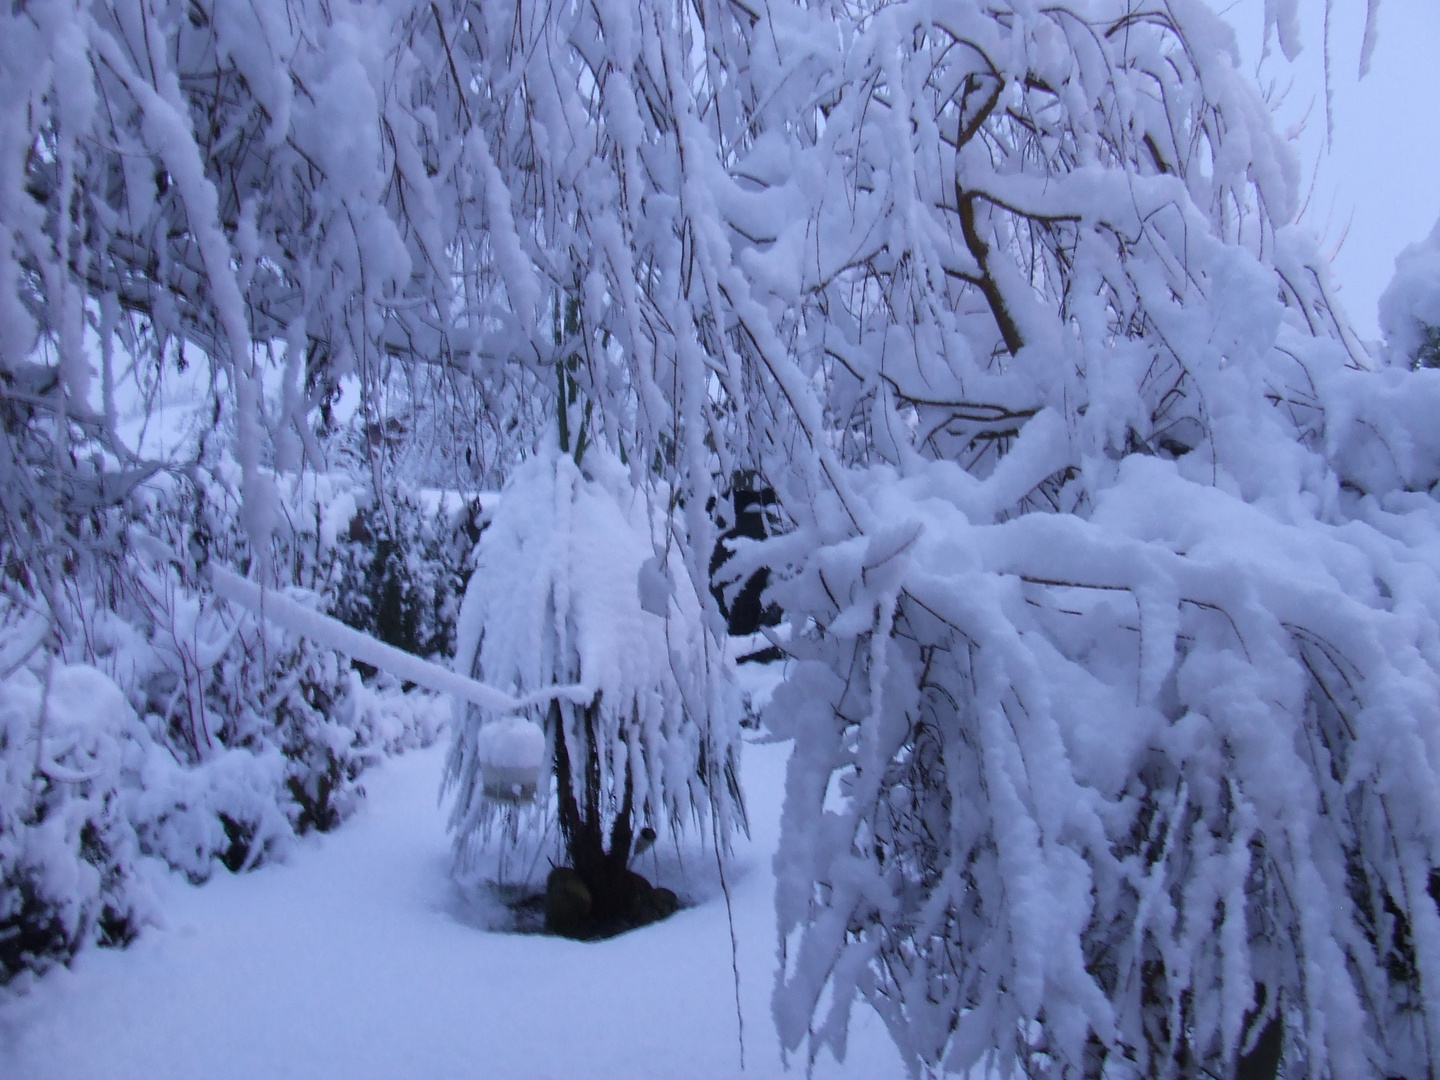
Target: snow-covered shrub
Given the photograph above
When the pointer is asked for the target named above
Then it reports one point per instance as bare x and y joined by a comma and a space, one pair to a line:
67, 850
572, 609
276, 690
401, 572
389, 720
1410, 305
216, 681
298, 769
1380, 431
257, 734
235, 736
228, 809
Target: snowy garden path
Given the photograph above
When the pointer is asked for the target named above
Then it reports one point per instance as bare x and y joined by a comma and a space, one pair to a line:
354, 960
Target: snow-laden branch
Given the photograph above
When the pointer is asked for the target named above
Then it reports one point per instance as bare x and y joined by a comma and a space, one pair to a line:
333, 634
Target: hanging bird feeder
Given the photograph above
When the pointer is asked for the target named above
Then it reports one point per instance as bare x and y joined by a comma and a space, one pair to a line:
512, 754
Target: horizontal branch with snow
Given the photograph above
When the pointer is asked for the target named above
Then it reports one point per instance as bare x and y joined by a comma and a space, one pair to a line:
333, 634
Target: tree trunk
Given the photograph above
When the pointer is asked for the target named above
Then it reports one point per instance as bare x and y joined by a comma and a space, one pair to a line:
602, 866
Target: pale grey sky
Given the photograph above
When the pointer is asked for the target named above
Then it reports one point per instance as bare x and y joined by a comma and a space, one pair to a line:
1380, 176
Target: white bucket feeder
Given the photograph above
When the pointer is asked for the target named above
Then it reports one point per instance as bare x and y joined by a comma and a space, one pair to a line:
512, 753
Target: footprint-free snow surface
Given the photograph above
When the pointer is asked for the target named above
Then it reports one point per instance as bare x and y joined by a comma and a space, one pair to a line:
359, 958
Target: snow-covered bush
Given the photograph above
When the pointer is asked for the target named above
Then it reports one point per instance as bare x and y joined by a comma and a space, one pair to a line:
269, 732
1380, 435
227, 810
248, 734
1410, 305
401, 572
67, 849
575, 609
215, 684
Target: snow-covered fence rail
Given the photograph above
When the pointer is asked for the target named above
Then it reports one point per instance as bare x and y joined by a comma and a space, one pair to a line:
333, 634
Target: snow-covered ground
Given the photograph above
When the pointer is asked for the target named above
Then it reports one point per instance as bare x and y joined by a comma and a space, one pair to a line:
359, 958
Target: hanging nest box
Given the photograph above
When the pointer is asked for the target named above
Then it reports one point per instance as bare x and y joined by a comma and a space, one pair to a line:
512, 756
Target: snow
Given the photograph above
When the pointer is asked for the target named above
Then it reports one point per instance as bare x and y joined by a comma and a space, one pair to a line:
1118, 655
61, 830
556, 598
510, 751
1410, 304
511, 742
332, 633
360, 958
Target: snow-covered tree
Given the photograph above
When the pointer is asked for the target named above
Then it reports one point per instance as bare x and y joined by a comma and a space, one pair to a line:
1109, 554
1105, 671
575, 605
284, 194
1095, 770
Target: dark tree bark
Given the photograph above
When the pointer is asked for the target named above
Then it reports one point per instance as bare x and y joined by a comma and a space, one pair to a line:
601, 862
